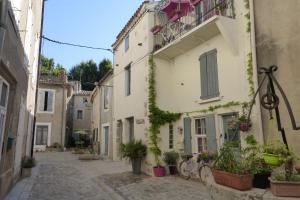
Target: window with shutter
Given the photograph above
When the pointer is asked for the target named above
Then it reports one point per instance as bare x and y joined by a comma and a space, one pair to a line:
209, 75
105, 97
211, 133
46, 101
128, 80
126, 42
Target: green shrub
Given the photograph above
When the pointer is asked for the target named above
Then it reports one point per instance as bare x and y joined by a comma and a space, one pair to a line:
171, 157
28, 162
133, 150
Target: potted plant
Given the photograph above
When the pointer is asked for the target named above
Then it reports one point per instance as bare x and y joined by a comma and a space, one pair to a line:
287, 183
158, 169
134, 150
260, 170
244, 123
170, 158
232, 171
27, 164
274, 153
206, 157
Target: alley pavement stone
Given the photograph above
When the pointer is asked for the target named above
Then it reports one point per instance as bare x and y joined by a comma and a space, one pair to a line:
61, 176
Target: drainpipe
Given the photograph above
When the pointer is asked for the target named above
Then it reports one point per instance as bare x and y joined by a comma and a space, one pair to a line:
3, 10
255, 68
38, 77
63, 114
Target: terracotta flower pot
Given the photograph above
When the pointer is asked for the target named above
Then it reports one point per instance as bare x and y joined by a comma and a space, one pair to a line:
159, 171
239, 182
272, 159
285, 189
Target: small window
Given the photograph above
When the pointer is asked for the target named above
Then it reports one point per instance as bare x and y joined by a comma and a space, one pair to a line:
128, 80
105, 98
130, 124
46, 101
171, 136
84, 100
79, 114
126, 42
3, 97
209, 75
200, 131
41, 135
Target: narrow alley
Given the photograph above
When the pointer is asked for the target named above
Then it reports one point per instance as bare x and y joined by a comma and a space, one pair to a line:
60, 175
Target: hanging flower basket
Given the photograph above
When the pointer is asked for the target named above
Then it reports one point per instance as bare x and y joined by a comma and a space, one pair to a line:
272, 159
156, 29
244, 126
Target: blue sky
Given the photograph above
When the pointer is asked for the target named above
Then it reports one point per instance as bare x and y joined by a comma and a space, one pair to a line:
88, 22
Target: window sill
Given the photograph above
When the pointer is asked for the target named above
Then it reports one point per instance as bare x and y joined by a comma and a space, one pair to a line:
219, 98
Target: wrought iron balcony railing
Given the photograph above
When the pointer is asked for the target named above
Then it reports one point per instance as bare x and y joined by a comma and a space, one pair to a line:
168, 29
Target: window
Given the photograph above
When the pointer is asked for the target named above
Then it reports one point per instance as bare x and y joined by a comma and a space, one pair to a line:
4, 92
126, 42
105, 97
209, 75
171, 136
79, 114
84, 100
128, 80
46, 100
41, 135
200, 131
130, 123
3, 98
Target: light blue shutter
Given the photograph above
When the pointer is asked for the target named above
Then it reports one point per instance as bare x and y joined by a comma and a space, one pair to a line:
203, 76
211, 133
212, 74
187, 135
41, 99
50, 101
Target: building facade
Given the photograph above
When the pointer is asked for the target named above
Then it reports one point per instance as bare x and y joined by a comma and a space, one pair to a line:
102, 112
196, 54
131, 52
51, 111
17, 76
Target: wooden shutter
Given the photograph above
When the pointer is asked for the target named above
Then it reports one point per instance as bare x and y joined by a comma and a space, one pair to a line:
211, 133
203, 76
212, 74
41, 100
187, 135
50, 101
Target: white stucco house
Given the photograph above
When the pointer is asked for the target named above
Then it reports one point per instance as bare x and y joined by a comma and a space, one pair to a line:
202, 52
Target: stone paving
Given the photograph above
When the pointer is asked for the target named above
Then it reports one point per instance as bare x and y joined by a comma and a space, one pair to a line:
61, 176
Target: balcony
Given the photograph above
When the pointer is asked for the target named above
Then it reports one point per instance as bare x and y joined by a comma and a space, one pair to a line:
179, 32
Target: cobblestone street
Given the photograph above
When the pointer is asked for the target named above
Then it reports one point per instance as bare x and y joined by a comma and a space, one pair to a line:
61, 176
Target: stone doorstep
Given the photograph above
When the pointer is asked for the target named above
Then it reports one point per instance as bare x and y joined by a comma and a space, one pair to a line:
220, 192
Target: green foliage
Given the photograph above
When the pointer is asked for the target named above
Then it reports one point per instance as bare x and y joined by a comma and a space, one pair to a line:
133, 150
277, 148
171, 157
216, 107
282, 177
28, 162
157, 117
89, 72
49, 67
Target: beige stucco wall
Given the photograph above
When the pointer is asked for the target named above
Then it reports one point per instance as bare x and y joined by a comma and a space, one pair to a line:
85, 123
277, 29
134, 105
57, 119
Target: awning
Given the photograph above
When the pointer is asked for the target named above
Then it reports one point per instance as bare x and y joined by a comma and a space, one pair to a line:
177, 8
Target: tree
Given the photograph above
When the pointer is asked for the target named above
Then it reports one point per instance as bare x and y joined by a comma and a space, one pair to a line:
49, 67
88, 72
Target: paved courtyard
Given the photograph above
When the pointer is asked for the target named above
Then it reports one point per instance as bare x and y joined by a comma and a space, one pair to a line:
61, 176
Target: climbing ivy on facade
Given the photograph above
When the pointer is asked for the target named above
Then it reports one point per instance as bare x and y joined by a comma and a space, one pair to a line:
157, 117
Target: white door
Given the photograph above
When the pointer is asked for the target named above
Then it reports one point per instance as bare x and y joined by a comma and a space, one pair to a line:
4, 93
20, 138
42, 136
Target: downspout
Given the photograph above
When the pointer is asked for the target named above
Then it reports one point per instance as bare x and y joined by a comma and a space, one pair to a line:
63, 114
3, 26
255, 68
38, 78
